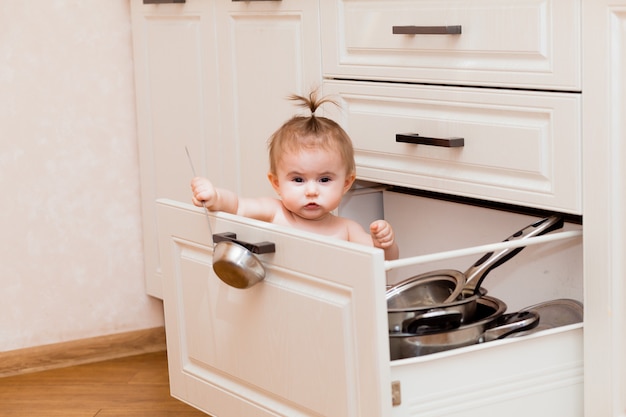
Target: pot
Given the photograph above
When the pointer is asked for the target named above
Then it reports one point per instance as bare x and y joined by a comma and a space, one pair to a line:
491, 324
452, 290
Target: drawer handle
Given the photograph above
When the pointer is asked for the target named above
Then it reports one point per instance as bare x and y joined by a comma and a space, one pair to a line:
162, 1
258, 248
426, 30
423, 140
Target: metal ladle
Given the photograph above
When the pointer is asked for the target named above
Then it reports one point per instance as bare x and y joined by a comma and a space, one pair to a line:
234, 261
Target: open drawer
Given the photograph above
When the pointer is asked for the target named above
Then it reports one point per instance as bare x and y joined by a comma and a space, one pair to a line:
311, 339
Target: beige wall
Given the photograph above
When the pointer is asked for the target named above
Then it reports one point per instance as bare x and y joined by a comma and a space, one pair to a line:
70, 255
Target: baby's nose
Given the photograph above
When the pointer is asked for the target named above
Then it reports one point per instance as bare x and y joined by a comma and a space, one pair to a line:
311, 188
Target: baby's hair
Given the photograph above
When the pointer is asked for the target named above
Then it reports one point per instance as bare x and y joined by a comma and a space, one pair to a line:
311, 132
311, 102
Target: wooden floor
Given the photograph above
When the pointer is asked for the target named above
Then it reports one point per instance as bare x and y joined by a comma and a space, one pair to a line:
135, 386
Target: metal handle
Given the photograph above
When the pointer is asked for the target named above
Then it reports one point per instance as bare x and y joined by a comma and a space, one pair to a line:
423, 140
476, 274
432, 321
511, 323
162, 1
426, 30
258, 248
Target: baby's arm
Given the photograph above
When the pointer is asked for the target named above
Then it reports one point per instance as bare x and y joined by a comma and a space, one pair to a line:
384, 238
216, 199
219, 199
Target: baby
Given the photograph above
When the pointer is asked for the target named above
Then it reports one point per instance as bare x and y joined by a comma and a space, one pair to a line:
311, 168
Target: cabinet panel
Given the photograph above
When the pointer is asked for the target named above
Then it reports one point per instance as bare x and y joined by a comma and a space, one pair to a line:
541, 377
268, 51
307, 341
520, 147
175, 75
512, 43
604, 161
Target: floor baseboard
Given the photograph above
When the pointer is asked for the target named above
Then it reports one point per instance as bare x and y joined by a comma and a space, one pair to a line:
78, 352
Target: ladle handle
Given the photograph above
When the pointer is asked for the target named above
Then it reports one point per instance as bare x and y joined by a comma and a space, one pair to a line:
258, 248
477, 272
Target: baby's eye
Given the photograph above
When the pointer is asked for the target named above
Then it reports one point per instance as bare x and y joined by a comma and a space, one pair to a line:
325, 179
297, 179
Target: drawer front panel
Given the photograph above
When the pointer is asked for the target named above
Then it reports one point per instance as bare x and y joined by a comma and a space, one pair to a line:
512, 152
514, 43
309, 340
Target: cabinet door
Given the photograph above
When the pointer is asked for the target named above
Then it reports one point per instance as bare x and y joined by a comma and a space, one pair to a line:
177, 96
309, 340
268, 50
214, 76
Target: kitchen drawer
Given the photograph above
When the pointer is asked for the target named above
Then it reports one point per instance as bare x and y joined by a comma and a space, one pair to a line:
511, 43
311, 339
520, 147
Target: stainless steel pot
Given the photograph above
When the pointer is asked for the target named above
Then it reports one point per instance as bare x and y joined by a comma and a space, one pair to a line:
491, 324
451, 290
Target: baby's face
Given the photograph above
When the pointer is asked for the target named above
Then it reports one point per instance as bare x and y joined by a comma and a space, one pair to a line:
311, 183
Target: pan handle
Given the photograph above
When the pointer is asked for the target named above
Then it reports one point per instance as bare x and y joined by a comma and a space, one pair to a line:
477, 272
511, 323
432, 321
258, 248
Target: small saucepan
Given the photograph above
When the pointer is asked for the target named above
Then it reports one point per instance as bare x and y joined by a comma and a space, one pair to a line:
451, 290
234, 261
491, 323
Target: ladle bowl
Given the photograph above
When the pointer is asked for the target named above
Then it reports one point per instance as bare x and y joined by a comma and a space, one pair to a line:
236, 266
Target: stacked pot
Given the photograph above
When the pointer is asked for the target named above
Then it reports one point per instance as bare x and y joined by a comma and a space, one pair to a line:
447, 309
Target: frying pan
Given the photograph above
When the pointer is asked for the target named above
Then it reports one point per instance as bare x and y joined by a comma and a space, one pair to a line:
555, 313
234, 261
490, 324
451, 290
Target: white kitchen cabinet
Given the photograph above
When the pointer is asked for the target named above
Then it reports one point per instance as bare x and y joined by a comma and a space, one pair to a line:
237, 353
213, 76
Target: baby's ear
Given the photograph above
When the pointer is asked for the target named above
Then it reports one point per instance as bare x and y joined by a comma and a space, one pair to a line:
273, 179
349, 181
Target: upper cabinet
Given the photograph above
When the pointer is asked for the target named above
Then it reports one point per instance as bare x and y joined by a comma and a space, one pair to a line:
213, 76
513, 43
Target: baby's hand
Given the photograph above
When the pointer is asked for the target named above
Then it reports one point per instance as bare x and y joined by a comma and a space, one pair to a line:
382, 234
203, 191
384, 238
